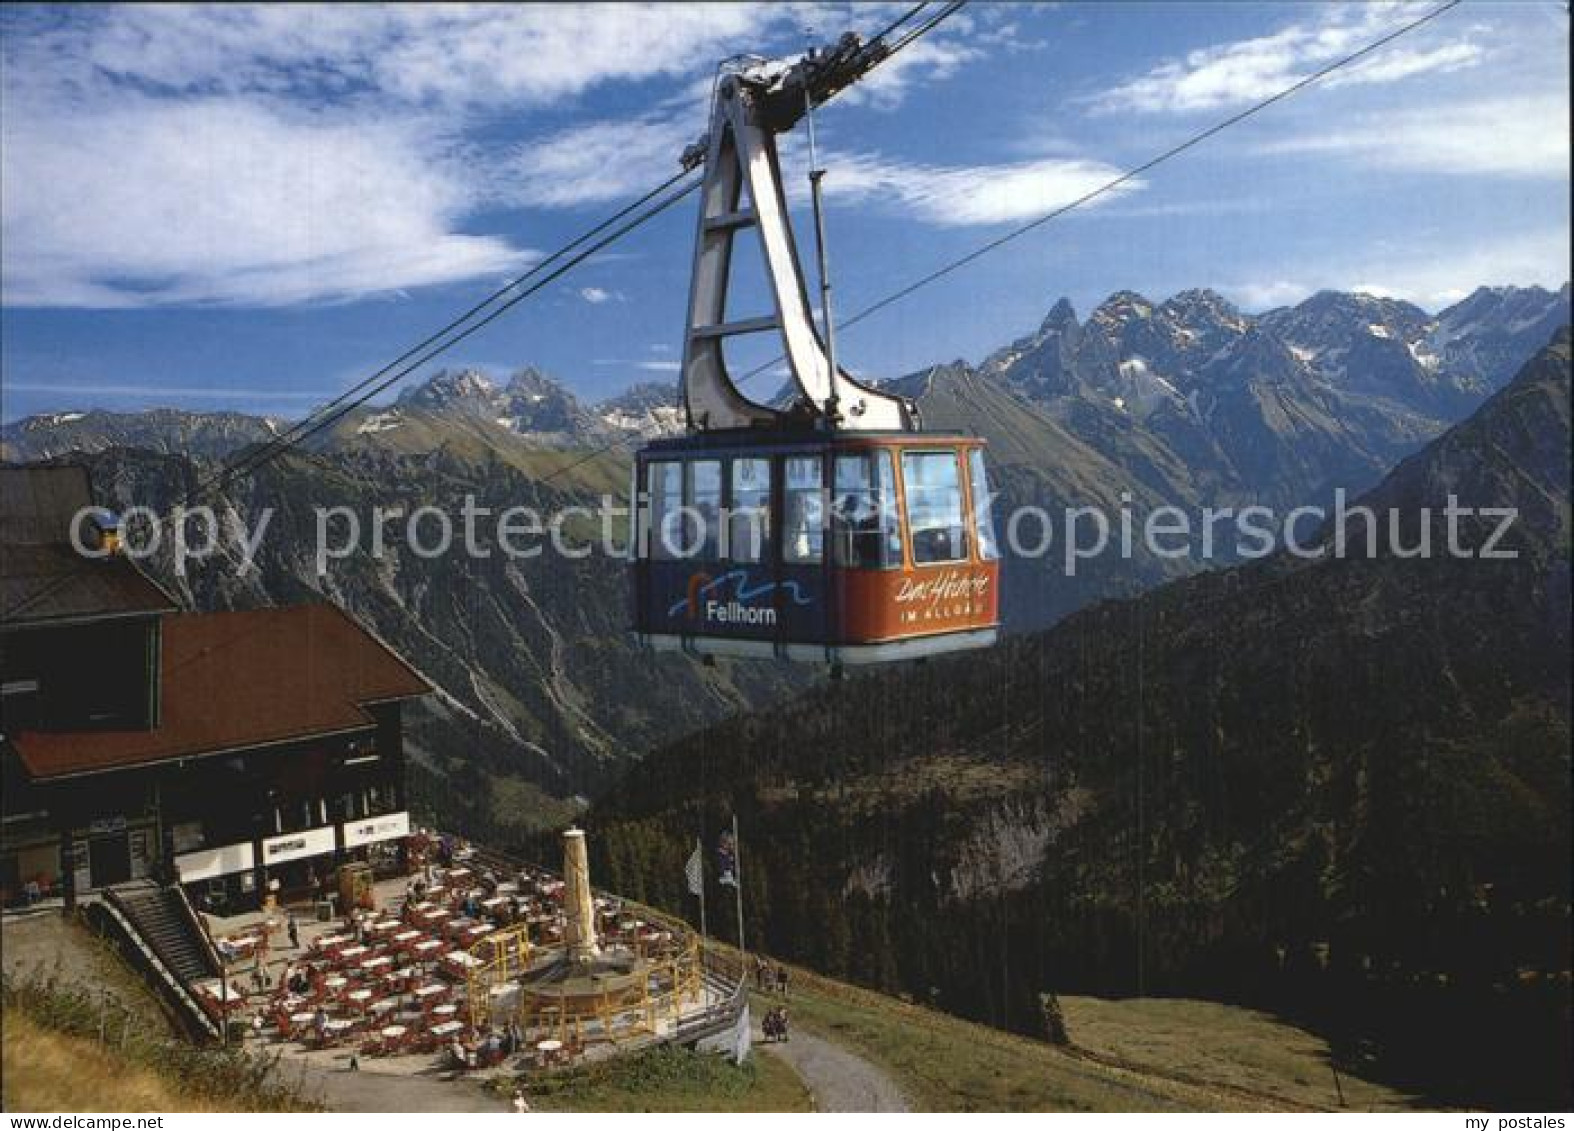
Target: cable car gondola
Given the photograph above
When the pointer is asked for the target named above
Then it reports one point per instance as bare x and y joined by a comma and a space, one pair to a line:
835, 530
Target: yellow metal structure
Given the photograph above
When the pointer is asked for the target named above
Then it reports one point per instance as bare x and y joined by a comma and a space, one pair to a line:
503, 957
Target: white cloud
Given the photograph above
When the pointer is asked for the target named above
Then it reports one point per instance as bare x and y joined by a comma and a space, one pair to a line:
425, 54
273, 154
931, 59
414, 52
1267, 294
962, 196
598, 295
1234, 74
1431, 277
1511, 137
595, 162
219, 200
599, 162
646, 365
180, 393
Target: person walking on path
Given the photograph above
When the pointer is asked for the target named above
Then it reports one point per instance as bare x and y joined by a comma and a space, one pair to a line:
781, 979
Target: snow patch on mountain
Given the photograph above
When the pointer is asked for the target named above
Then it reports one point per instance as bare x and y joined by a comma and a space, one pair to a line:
379, 422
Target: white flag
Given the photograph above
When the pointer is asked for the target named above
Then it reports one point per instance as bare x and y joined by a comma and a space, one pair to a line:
694, 871
727, 860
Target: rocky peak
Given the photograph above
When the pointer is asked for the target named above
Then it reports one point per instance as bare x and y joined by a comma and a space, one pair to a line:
1120, 308
650, 409
1061, 318
463, 388
531, 381
1203, 306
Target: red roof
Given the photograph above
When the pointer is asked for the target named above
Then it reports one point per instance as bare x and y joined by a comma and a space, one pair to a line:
233, 681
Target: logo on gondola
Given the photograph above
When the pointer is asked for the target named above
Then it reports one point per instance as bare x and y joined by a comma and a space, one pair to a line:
949, 596
709, 599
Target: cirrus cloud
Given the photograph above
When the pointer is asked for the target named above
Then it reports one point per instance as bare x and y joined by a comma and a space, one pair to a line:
219, 200
1233, 74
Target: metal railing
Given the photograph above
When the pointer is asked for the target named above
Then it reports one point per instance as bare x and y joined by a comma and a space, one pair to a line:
720, 970
112, 910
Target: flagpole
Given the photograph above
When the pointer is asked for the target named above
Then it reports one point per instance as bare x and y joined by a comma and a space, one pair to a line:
737, 888
699, 848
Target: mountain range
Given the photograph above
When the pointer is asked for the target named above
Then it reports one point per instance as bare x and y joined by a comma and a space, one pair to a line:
1335, 787
530, 411
1186, 402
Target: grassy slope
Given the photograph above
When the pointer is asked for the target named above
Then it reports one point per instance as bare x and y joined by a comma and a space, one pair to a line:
47, 1070
64, 988
1213, 1057
1236, 1047
670, 1079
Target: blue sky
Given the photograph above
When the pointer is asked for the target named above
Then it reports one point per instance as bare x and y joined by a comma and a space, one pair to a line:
251, 208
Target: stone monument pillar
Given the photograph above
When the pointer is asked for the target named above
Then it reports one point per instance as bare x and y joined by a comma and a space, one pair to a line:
579, 907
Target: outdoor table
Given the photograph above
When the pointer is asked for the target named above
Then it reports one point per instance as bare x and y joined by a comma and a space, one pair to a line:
354, 952
446, 1028
404, 938
214, 989
508, 887
462, 959
425, 949
373, 964
359, 997
384, 926
471, 934
301, 1020
339, 1025
495, 902
384, 1005
446, 1010
334, 984
394, 1032
431, 989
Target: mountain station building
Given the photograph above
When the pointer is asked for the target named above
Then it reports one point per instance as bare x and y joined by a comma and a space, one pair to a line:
240, 752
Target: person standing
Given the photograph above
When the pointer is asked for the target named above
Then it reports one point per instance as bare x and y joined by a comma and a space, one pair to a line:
781, 979
295, 933
521, 1105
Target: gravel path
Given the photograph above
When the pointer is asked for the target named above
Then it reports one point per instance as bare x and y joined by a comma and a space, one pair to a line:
339, 1090
837, 1079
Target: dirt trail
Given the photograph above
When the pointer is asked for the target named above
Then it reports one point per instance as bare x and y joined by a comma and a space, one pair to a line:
838, 1080
339, 1090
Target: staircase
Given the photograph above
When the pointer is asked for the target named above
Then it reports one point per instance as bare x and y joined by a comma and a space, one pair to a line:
168, 925
160, 934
